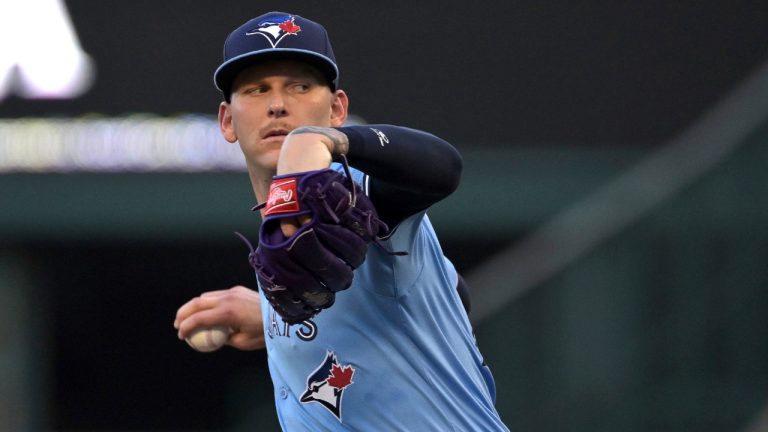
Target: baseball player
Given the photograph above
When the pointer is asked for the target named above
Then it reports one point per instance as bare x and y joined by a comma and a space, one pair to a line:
360, 313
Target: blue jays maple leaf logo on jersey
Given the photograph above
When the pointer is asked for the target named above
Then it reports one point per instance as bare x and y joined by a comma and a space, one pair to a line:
275, 28
327, 383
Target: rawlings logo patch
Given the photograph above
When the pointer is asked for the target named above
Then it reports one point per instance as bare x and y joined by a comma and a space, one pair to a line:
282, 197
327, 383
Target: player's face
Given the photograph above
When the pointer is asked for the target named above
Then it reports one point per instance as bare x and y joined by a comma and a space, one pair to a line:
271, 99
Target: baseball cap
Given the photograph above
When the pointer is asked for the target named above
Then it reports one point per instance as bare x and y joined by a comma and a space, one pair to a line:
276, 35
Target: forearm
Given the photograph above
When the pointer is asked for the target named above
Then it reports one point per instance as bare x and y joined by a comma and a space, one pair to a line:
409, 169
404, 158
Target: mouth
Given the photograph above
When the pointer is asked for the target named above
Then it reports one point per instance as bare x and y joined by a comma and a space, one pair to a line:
277, 133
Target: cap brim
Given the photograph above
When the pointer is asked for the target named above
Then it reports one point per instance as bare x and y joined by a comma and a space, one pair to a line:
226, 73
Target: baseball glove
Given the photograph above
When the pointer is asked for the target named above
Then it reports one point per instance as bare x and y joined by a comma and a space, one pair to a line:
301, 274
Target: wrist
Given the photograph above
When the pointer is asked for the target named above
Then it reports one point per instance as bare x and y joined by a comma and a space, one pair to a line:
303, 151
335, 140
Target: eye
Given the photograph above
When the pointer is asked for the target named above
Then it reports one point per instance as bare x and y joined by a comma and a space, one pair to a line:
301, 87
254, 89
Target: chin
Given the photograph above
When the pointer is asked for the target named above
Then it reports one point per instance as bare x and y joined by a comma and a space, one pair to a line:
269, 162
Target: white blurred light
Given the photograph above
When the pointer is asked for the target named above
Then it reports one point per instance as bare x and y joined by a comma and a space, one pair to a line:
40, 55
137, 143
134, 143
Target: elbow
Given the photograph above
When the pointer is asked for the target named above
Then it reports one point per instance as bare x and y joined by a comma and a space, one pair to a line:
451, 178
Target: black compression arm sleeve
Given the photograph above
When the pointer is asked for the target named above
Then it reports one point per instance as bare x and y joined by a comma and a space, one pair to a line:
409, 169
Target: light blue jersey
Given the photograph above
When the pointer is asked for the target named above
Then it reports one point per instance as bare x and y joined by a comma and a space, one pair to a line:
394, 353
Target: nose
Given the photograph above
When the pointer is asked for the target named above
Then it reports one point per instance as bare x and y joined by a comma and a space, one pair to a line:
277, 107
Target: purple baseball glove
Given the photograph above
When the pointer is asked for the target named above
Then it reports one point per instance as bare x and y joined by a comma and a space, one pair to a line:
300, 275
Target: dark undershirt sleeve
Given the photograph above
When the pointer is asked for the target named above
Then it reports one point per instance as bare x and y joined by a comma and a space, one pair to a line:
464, 295
409, 169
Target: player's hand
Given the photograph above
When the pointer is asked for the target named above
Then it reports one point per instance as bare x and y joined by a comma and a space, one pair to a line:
239, 308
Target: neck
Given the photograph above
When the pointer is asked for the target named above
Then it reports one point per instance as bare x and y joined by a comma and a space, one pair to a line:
260, 182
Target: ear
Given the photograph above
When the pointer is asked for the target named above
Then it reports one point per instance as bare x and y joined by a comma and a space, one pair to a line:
225, 123
339, 108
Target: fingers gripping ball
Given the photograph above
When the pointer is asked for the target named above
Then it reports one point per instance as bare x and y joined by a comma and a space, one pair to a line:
301, 275
209, 338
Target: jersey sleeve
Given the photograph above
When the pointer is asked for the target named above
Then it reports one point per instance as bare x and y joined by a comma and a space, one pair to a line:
453, 275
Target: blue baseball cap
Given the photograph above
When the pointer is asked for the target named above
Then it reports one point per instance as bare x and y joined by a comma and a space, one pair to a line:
276, 35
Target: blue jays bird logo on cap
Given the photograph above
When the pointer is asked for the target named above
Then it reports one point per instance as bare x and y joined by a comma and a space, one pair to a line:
275, 28
327, 383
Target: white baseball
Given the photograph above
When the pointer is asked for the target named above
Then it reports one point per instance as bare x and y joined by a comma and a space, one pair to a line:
208, 339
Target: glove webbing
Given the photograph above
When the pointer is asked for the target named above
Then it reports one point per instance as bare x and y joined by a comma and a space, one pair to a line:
353, 200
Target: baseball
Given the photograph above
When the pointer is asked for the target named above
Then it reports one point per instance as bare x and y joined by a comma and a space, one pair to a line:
208, 339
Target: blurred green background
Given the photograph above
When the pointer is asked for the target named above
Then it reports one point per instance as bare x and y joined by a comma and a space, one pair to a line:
611, 220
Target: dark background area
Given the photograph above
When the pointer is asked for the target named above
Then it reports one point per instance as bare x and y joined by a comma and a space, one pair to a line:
492, 74
120, 366
596, 75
